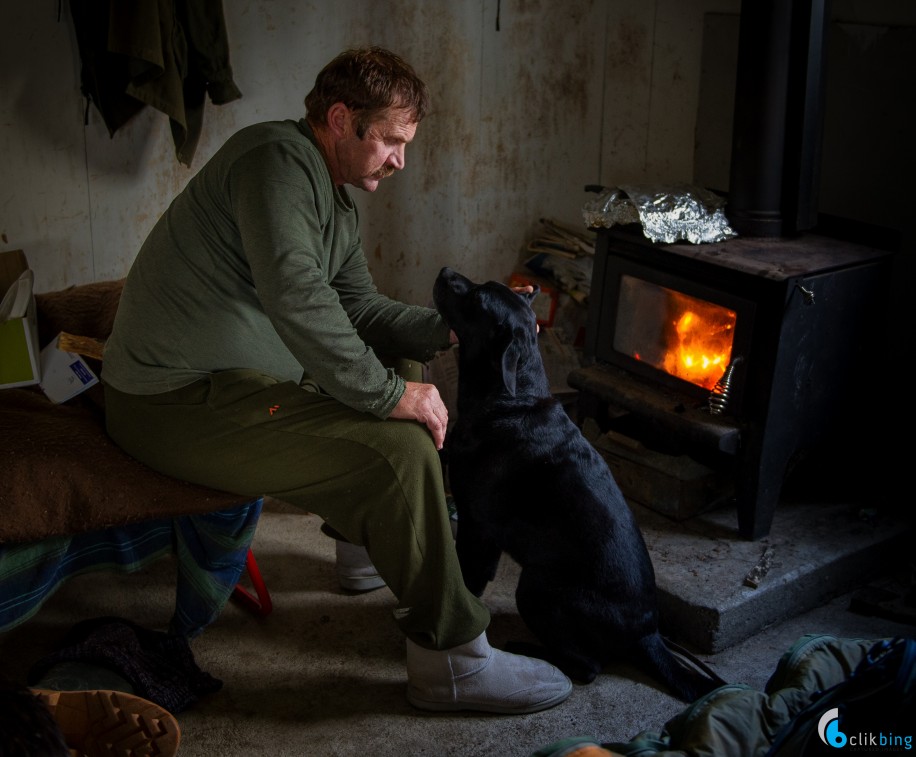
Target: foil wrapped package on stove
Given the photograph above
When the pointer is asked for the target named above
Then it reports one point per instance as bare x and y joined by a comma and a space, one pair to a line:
668, 213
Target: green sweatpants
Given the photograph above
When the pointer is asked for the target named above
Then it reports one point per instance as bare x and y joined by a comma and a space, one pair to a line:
377, 482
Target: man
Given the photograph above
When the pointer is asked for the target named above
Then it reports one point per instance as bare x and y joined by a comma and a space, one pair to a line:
245, 354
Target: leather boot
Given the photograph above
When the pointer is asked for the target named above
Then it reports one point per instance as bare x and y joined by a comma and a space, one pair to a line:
100, 722
474, 676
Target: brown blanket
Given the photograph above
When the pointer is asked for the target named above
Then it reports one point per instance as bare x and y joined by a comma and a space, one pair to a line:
60, 473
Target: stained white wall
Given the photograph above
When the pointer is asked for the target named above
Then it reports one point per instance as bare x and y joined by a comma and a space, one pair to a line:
560, 95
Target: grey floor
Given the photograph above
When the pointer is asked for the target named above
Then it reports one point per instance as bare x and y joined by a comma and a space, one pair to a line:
324, 673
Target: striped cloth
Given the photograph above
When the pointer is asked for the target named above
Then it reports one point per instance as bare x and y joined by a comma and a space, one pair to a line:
211, 550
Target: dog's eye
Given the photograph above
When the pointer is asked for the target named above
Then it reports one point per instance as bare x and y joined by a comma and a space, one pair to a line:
478, 298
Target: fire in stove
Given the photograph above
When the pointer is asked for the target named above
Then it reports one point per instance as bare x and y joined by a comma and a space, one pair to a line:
687, 337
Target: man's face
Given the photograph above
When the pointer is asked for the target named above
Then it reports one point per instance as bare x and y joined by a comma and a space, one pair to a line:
364, 162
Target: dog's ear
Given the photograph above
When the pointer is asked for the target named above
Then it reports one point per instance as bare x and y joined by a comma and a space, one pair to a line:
508, 366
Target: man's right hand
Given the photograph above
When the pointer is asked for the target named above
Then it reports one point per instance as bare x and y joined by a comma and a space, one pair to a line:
422, 403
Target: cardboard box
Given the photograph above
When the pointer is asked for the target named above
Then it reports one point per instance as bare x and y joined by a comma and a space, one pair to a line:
64, 374
20, 364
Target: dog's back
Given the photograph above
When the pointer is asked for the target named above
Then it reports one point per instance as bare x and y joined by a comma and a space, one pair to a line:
527, 482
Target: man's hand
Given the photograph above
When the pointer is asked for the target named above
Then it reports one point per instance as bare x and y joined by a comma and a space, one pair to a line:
527, 289
422, 403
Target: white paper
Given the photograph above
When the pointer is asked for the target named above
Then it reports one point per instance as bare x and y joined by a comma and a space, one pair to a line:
16, 300
64, 374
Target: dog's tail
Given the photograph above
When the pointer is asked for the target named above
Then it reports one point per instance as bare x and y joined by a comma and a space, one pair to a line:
687, 677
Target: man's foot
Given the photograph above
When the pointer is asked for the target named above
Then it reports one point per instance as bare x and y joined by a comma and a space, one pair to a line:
355, 571
474, 676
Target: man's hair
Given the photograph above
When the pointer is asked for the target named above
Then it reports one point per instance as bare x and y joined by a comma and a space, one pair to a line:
369, 81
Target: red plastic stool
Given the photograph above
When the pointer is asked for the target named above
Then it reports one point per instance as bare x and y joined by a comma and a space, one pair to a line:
258, 603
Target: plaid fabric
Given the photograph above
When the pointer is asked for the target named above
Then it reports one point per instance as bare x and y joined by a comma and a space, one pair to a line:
211, 551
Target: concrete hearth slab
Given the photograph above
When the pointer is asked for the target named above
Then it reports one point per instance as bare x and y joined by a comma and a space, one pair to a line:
813, 553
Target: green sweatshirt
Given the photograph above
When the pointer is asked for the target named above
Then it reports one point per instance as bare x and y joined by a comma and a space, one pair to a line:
258, 264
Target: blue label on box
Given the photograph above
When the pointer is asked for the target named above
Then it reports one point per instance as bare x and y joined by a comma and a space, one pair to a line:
82, 373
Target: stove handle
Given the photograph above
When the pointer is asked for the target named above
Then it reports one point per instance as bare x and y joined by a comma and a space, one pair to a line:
807, 294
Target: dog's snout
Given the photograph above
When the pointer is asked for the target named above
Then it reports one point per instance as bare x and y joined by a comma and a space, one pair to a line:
444, 291
450, 279
444, 277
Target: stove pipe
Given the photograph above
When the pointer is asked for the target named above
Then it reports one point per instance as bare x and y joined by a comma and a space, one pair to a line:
778, 118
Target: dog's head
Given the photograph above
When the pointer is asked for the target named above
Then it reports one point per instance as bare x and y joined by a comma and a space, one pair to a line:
495, 325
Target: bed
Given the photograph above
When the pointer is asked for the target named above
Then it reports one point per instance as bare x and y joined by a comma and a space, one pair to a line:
72, 502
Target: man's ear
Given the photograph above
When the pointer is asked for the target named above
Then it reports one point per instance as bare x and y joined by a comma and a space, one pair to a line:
340, 119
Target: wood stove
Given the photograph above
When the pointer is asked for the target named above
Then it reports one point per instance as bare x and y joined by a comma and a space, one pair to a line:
795, 324
803, 315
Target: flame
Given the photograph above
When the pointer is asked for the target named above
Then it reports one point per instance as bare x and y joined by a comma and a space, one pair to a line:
699, 346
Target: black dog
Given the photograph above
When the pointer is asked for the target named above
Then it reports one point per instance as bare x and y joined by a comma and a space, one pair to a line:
527, 482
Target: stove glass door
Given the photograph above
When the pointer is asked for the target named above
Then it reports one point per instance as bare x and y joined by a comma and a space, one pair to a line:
684, 336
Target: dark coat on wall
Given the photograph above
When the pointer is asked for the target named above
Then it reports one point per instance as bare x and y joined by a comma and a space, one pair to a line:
154, 52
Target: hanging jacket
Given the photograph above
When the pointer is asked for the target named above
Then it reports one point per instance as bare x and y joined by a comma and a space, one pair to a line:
167, 54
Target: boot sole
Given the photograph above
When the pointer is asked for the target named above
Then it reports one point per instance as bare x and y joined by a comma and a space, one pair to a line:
495, 707
105, 723
361, 584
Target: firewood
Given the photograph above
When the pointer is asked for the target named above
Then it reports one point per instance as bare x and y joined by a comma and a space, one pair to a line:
87, 346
